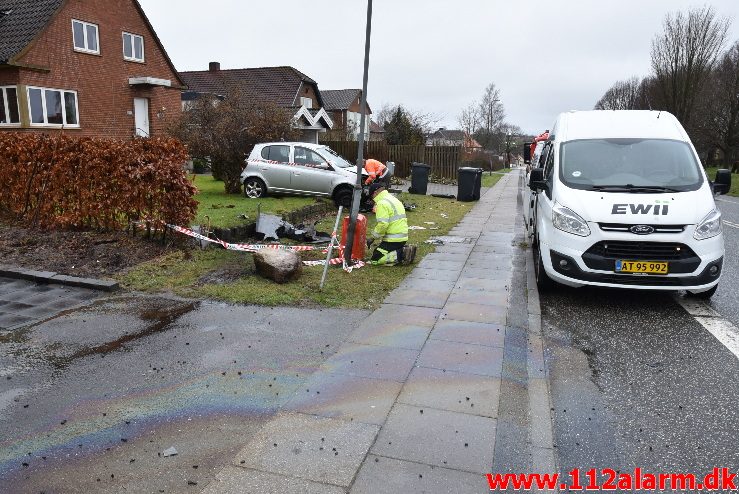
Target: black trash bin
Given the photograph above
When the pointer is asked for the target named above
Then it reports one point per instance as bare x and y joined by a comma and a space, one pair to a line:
419, 178
469, 182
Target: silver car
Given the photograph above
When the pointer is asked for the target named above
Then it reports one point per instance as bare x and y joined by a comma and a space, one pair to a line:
298, 168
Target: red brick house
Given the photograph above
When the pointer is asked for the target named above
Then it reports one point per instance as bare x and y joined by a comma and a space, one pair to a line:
344, 107
285, 87
87, 67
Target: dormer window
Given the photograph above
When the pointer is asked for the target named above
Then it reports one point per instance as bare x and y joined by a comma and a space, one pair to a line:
133, 47
85, 37
307, 102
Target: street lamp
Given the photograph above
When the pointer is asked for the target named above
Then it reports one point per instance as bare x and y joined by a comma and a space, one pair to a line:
357, 195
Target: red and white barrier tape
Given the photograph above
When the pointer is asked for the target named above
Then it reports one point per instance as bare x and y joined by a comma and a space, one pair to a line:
257, 247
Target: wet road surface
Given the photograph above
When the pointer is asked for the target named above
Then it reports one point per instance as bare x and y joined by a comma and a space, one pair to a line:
90, 400
726, 299
637, 382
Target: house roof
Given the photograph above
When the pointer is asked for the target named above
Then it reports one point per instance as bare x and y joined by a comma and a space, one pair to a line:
375, 127
447, 134
340, 99
21, 21
279, 85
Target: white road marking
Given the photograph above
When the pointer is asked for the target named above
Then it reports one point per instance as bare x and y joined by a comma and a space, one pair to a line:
720, 328
731, 224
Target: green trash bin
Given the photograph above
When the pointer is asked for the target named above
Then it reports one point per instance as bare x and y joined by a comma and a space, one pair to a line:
469, 182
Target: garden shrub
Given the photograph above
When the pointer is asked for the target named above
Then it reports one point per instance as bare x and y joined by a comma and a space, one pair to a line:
84, 182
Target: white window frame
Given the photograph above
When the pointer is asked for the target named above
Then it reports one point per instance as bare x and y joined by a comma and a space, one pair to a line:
133, 48
6, 106
46, 113
84, 32
304, 99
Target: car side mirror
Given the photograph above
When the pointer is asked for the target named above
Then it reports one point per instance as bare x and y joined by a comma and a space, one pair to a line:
536, 179
527, 153
722, 185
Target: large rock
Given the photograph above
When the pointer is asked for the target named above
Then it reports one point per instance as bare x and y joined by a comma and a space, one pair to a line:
278, 265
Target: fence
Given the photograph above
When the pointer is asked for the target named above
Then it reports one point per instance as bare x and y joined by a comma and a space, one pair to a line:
444, 160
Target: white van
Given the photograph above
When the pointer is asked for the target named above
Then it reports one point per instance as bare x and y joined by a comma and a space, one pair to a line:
622, 201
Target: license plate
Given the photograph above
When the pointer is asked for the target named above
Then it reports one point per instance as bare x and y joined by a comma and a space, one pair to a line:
641, 267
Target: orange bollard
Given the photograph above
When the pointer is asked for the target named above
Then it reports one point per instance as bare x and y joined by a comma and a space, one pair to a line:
360, 237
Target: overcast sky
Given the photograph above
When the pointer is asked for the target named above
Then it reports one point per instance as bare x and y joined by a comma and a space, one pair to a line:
432, 55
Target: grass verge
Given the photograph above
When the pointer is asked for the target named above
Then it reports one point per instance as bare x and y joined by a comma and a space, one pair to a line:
224, 210
711, 172
231, 276
490, 179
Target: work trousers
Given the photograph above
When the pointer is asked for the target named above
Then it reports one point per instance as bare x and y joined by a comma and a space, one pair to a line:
388, 253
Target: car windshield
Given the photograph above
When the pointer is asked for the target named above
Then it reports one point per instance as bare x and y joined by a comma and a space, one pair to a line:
335, 159
629, 165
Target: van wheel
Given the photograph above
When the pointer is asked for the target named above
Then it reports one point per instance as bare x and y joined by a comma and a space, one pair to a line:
254, 188
704, 295
543, 282
343, 197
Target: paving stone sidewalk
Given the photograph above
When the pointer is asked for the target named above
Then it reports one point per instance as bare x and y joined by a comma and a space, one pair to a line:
429, 393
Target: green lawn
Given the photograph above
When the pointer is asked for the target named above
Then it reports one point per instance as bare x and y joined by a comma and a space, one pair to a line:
488, 179
224, 209
734, 180
230, 276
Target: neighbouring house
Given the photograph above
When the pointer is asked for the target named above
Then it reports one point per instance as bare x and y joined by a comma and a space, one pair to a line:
377, 131
85, 67
344, 107
449, 137
285, 87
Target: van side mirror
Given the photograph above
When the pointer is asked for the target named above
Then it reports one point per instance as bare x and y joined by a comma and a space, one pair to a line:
527, 153
722, 185
536, 179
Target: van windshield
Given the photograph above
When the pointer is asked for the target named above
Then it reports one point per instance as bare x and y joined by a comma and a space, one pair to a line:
629, 165
335, 159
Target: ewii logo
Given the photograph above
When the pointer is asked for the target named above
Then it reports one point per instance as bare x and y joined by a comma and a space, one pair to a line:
656, 209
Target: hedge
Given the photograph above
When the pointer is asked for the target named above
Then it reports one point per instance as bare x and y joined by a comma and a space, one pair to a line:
71, 182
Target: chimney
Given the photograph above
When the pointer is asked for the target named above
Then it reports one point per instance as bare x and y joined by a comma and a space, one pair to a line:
214, 67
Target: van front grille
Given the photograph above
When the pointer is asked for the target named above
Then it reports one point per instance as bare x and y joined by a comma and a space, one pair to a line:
641, 251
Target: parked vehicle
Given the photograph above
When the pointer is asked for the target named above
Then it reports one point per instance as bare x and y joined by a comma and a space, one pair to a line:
623, 201
298, 168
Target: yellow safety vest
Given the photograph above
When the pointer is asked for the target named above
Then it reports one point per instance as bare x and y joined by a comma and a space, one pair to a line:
392, 224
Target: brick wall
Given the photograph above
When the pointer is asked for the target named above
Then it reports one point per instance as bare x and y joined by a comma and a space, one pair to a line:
106, 105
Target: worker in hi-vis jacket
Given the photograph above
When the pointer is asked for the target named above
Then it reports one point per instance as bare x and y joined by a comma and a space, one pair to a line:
391, 229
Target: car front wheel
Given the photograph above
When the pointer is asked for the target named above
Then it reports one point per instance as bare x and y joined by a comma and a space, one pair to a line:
343, 197
254, 188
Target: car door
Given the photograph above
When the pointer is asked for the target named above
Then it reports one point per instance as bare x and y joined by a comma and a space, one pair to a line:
545, 198
312, 173
275, 167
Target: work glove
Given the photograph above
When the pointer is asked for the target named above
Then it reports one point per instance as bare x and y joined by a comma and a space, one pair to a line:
370, 242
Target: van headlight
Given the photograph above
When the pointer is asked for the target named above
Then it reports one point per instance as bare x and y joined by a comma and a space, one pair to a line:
569, 221
709, 227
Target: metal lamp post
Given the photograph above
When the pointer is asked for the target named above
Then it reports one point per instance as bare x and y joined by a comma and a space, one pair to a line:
357, 195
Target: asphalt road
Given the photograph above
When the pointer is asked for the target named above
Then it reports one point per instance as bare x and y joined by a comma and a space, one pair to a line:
91, 400
636, 381
726, 299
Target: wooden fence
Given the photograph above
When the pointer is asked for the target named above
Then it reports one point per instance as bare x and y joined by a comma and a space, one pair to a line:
444, 160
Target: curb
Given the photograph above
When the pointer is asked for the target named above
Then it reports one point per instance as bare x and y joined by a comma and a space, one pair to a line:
542, 435
56, 278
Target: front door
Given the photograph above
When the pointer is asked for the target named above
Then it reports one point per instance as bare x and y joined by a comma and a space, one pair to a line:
141, 112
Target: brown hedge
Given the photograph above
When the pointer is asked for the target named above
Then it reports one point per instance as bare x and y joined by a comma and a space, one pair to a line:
71, 182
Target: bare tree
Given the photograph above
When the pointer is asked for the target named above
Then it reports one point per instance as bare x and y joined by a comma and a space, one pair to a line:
684, 55
491, 110
469, 119
716, 122
422, 120
226, 131
621, 96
